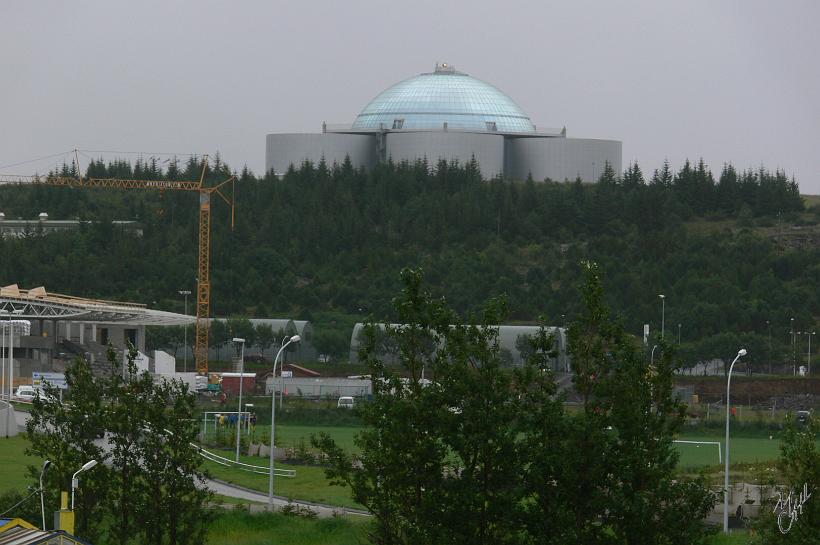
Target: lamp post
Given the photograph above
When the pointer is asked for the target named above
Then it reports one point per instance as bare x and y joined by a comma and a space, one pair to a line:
75, 482
769, 323
185, 293
294, 339
241, 344
652, 357
808, 356
3, 357
42, 503
791, 329
663, 314
10, 348
678, 334
740, 353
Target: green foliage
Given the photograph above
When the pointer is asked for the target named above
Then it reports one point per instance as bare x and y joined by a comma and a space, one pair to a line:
487, 455
331, 240
800, 466
172, 337
440, 463
146, 486
65, 433
623, 438
241, 528
27, 505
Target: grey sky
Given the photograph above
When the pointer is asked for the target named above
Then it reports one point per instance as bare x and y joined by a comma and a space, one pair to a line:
726, 81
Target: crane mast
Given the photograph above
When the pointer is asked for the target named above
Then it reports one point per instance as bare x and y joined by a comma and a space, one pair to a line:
203, 292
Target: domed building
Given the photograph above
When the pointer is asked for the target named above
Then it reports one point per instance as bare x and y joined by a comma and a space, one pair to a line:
447, 114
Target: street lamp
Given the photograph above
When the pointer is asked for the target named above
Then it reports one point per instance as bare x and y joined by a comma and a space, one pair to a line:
791, 329
10, 348
769, 323
75, 482
663, 314
3, 357
185, 293
42, 503
294, 339
740, 353
652, 358
241, 343
678, 334
808, 356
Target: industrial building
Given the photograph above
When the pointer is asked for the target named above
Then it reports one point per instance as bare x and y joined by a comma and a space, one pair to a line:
50, 330
511, 338
450, 115
19, 228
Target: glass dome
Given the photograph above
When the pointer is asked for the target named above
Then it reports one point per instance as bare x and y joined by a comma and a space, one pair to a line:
428, 101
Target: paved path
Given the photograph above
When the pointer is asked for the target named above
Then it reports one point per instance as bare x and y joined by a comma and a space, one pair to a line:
322, 510
232, 491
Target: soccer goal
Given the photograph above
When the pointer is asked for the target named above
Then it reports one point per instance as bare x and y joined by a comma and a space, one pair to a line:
699, 443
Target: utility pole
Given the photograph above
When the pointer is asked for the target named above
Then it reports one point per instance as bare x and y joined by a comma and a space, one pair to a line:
185, 293
663, 314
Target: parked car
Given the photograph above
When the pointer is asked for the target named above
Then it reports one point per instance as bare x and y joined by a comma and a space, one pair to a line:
345, 402
25, 393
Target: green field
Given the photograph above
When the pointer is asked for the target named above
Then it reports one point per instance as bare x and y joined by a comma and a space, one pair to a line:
290, 435
238, 528
14, 463
309, 483
742, 450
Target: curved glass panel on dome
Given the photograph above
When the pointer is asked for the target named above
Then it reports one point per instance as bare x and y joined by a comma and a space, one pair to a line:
428, 101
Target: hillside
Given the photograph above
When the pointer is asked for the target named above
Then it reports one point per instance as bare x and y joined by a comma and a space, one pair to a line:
327, 244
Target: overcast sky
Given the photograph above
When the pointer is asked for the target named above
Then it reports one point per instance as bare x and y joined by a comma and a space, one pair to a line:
729, 81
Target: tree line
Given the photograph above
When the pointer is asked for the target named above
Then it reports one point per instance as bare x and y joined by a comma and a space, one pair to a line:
324, 242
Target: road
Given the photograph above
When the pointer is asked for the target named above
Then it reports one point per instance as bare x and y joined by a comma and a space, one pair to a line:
232, 491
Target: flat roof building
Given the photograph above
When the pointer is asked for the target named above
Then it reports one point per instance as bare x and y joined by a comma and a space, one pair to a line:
19, 228
450, 115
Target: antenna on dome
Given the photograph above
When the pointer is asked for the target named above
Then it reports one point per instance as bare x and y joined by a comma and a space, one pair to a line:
445, 68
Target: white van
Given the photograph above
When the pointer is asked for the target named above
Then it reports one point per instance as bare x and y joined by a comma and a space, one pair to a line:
345, 402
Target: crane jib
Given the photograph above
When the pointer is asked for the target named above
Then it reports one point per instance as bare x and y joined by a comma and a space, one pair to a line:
204, 273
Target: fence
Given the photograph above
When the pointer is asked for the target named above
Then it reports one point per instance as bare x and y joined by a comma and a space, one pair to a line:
319, 387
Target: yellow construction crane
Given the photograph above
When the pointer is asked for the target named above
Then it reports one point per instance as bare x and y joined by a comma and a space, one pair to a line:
203, 292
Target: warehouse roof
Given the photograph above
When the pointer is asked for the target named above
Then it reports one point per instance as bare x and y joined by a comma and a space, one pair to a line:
37, 303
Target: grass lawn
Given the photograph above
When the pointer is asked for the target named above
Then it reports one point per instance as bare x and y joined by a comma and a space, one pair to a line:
237, 527
738, 537
14, 464
309, 483
742, 450
289, 435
